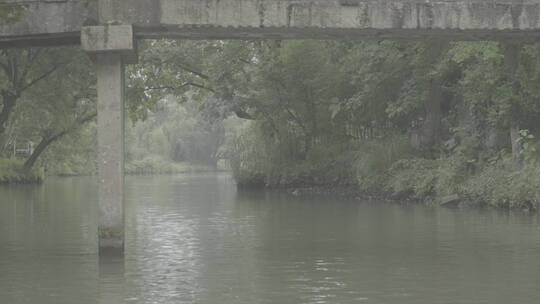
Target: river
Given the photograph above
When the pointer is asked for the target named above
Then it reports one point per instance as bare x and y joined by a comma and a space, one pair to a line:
195, 239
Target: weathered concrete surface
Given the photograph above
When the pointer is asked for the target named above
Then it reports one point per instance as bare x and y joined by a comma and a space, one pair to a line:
110, 128
60, 21
45, 22
109, 46
107, 38
103, 38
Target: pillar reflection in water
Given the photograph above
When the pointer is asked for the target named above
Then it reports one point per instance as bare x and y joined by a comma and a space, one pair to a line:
111, 278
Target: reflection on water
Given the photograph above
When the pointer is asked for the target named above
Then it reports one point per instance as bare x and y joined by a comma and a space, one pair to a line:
195, 239
111, 279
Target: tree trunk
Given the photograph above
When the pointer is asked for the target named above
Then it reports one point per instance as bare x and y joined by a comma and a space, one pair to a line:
46, 141
40, 148
516, 144
494, 141
432, 124
8, 103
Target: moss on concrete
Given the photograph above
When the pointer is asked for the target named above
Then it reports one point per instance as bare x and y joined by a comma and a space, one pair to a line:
11, 13
111, 233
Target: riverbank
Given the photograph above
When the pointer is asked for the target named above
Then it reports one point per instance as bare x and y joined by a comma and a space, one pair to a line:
501, 184
151, 167
12, 172
461, 201
444, 181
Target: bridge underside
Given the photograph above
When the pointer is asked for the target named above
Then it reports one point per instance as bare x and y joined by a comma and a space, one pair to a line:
201, 33
55, 22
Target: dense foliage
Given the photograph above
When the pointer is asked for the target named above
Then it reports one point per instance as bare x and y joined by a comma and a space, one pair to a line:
409, 119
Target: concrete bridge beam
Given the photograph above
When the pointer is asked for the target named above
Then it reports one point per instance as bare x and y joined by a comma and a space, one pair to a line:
111, 46
26, 23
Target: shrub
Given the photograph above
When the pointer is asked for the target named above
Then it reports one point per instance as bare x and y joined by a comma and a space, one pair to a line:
154, 164
499, 184
249, 158
504, 185
414, 177
375, 157
424, 177
12, 171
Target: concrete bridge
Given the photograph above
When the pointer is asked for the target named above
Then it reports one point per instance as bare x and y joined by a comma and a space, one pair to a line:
109, 30
60, 21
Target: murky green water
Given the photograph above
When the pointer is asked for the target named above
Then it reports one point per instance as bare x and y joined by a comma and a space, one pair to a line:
194, 239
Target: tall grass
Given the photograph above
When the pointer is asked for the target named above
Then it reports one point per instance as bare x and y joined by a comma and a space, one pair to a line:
374, 158
158, 165
12, 171
504, 185
250, 160
384, 166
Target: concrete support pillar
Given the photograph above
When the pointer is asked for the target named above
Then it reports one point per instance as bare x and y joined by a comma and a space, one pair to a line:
110, 46
110, 129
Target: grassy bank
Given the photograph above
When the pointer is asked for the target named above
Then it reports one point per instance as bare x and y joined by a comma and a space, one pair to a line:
500, 184
13, 172
392, 169
389, 169
157, 165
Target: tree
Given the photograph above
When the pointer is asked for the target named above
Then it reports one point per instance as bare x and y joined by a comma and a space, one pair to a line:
58, 103
20, 72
